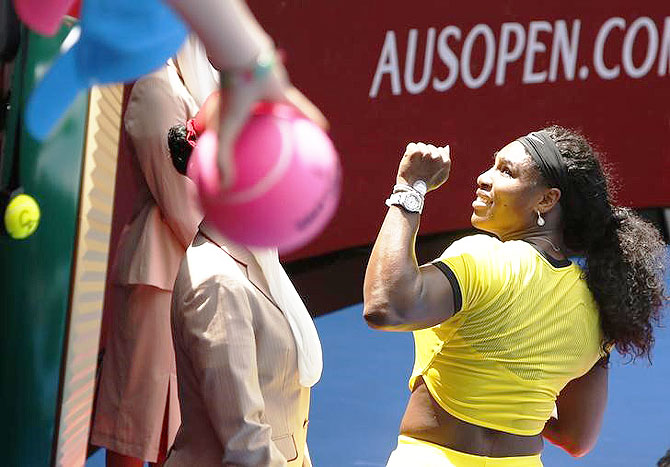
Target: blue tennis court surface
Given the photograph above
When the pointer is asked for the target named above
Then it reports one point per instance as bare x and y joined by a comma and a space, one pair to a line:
357, 405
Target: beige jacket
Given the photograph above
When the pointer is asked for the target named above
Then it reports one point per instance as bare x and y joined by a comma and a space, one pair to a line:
240, 398
166, 212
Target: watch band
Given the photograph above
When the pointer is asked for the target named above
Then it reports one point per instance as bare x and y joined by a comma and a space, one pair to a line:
419, 186
410, 201
410, 198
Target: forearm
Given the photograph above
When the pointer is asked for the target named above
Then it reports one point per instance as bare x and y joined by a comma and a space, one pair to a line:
559, 436
397, 295
552, 432
232, 36
581, 408
392, 280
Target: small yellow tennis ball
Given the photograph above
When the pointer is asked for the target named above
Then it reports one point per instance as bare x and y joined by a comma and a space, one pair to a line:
22, 216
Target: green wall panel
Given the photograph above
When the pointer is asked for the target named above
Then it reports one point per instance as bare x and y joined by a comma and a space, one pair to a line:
35, 272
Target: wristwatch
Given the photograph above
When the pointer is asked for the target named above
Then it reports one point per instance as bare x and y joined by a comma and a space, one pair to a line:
410, 200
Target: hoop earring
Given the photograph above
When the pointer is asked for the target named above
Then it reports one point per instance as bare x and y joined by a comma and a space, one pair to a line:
540, 219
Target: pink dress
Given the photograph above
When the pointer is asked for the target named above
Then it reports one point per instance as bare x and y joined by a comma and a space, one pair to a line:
138, 386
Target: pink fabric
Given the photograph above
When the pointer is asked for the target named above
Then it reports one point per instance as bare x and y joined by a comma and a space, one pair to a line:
138, 376
166, 214
208, 108
191, 133
138, 371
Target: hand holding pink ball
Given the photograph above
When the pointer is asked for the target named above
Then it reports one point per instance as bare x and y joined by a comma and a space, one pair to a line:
287, 180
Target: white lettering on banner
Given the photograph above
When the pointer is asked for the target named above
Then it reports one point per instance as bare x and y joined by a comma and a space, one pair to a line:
652, 48
412, 87
533, 47
448, 57
567, 48
664, 59
388, 63
598, 49
490, 44
505, 55
560, 41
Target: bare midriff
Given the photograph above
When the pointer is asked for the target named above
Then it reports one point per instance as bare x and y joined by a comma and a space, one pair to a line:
424, 419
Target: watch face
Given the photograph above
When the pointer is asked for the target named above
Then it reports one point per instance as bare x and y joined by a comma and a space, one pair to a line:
412, 202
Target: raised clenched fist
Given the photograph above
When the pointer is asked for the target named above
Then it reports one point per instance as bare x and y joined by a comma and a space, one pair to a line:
424, 162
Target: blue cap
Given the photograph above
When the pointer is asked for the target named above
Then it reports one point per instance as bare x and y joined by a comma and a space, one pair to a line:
120, 41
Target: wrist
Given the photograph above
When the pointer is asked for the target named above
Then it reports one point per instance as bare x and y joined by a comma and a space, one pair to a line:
415, 183
418, 186
265, 60
410, 198
243, 37
403, 181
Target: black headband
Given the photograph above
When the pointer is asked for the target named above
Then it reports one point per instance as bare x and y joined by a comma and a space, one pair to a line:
544, 152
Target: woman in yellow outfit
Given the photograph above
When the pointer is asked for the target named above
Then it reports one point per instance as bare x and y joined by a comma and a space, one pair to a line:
512, 338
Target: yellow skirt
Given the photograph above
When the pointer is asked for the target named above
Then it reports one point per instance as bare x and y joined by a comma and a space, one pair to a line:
413, 452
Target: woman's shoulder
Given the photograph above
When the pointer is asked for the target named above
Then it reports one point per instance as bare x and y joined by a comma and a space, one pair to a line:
488, 251
159, 91
152, 84
206, 262
473, 244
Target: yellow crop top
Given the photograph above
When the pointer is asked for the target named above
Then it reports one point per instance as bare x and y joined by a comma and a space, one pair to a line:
525, 328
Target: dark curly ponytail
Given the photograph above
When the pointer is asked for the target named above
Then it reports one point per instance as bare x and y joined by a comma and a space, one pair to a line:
624, 254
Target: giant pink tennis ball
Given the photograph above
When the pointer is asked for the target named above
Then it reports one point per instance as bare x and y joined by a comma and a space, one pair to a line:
286, 185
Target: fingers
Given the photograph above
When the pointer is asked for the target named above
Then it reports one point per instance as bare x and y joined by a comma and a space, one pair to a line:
221, 103
442, 152
235, 108
277, 87
225, 159
236, 104
426, 162
445, 153
298, 100
233, 115
208, 114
